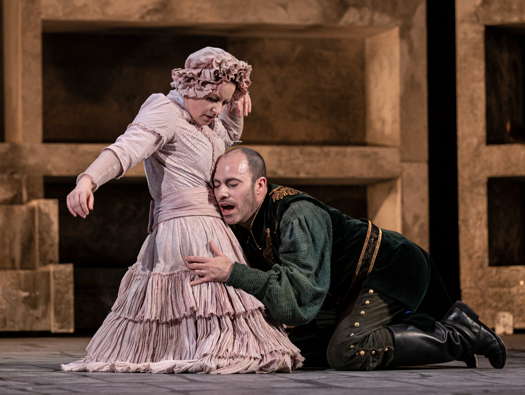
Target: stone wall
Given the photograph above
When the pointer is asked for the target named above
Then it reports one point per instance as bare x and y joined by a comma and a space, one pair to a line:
338, 99
490, 41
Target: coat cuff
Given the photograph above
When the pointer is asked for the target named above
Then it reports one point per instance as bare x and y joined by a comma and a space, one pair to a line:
248, 279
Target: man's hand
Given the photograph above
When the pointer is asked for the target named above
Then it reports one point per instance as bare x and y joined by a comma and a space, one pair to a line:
209, 269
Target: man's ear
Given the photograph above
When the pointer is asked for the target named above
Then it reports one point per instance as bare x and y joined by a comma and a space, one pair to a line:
261, 186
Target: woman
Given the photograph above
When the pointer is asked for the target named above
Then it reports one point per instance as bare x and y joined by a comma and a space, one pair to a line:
161, 323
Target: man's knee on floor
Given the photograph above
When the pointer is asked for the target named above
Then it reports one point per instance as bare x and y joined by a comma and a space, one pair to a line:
366, 352
348, 355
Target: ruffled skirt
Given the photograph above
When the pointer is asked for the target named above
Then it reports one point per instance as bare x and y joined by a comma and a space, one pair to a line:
162, 324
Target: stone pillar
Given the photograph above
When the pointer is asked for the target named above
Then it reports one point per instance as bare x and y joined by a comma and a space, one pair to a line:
23, 71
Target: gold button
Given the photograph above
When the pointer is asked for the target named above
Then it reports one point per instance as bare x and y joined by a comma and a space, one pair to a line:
362, 312
362, 352
387, 348
370, 291
367, 301
356, 324
373, 352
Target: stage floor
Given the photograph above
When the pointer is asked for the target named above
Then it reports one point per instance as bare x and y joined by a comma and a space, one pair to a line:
32, 366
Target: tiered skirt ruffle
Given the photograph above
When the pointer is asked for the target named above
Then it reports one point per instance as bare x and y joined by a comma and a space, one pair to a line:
162, 324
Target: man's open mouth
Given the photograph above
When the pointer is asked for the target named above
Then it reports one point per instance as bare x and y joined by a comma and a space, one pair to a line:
226, 208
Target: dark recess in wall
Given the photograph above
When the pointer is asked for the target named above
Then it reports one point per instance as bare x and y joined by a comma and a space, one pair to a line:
102, 246
506, 220
505, 84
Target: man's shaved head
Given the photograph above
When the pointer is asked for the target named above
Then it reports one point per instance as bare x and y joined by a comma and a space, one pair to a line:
240, 184
255, 161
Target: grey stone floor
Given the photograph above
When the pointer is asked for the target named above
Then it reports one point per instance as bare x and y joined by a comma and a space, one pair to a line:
31, 366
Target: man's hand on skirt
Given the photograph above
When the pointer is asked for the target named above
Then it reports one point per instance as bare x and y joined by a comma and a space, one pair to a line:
217, 268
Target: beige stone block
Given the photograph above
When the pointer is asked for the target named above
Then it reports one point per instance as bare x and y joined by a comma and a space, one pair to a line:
18, 244
496, 12
384, 204
47, 236
473, 231
24, 300
13, 158
506, 160
413, 70
22, 71
504, 323
414, 204
329, 164
504, 293
35, 186
383, 89
62, 318
13, 189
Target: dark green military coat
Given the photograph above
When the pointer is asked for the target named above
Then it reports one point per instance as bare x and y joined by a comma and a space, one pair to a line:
302, 254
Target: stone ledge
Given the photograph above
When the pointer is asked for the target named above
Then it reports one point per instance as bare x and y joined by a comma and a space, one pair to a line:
305, 164
247, 12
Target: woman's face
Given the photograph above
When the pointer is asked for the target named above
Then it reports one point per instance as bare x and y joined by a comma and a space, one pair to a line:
205, 110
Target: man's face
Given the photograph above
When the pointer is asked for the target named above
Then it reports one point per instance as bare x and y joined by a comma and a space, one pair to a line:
237, 194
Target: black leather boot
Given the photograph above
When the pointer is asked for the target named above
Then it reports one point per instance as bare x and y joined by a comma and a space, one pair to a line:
413, 346
481, 339
458, 336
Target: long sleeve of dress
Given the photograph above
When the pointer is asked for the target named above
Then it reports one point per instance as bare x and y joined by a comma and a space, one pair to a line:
233, 125
148, 132
294, 290
103, 169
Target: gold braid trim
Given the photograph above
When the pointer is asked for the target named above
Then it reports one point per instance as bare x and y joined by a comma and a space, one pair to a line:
281, 192
376, 250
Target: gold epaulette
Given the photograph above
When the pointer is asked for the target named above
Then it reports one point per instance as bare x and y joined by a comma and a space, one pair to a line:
281, 192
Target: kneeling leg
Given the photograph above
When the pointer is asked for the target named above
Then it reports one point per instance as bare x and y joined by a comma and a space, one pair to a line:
361, 340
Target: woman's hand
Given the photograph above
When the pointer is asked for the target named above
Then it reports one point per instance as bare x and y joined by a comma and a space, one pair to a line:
243, 106
80, 200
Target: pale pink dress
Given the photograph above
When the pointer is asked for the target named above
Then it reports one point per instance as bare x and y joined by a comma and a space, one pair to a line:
159, 322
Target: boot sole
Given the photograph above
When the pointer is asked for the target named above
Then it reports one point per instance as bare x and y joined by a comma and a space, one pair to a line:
497, 362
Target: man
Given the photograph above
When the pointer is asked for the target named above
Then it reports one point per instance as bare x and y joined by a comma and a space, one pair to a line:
351, 292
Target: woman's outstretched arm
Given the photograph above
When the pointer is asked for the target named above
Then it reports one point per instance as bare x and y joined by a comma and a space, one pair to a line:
148, 132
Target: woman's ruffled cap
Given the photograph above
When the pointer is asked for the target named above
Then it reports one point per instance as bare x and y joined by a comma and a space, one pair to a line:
205, 69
